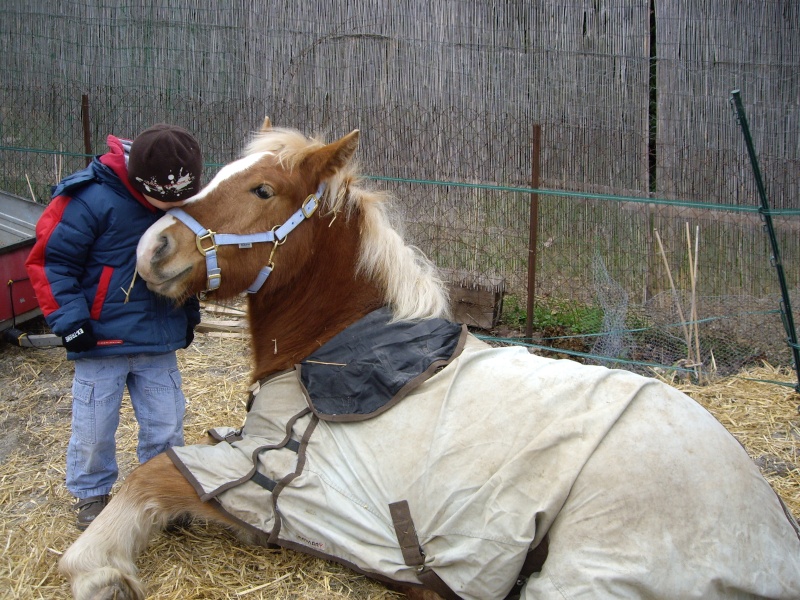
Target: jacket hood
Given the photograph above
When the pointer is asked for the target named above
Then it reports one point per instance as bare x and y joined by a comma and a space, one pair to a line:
116, 159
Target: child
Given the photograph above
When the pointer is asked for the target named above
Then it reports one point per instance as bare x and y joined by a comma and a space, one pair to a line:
117, 332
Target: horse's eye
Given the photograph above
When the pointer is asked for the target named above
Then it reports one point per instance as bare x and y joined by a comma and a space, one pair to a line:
264, 191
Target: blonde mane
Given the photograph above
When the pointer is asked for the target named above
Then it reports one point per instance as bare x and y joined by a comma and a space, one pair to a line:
411, 282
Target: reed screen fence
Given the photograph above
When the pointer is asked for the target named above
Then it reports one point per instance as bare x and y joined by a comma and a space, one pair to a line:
642, 161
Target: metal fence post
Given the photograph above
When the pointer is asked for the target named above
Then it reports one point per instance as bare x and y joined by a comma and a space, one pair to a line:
87, 137
536, 159
766, 216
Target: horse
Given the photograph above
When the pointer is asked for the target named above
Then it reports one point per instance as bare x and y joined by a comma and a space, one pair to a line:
384, 436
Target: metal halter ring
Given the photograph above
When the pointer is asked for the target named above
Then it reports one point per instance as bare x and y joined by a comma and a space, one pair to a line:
276, 242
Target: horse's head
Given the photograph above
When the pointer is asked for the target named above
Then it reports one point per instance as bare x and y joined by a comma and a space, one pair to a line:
256, 213
291, 223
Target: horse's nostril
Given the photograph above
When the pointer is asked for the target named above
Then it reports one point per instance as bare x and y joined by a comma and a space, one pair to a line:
162, 247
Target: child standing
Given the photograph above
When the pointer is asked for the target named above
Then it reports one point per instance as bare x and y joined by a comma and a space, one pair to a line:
117, 332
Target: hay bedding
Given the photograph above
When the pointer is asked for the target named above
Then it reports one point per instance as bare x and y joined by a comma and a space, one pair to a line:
206, 562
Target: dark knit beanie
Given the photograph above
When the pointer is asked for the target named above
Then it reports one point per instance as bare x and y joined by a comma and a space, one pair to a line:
165, 163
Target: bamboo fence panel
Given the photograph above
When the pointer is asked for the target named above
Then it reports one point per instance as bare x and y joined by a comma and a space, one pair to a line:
449, 92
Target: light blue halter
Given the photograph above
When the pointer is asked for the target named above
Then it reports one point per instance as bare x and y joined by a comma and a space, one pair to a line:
277, 236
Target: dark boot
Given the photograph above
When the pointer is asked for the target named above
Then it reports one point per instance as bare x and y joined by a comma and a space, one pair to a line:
89, 508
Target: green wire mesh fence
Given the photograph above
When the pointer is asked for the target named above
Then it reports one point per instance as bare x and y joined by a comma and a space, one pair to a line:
649, 249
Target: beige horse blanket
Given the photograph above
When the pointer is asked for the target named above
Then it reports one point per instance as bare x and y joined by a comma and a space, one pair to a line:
640, 492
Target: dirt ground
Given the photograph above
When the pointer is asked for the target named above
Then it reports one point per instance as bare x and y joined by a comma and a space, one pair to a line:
206, 562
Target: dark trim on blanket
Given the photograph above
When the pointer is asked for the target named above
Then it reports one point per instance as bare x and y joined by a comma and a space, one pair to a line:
287, 442
260, 538
297, 547
254, 457
301, 463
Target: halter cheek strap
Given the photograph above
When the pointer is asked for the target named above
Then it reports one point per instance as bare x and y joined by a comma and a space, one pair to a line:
208, 241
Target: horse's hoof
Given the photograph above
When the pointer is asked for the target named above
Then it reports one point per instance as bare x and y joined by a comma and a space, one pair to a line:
107, 584
115, 592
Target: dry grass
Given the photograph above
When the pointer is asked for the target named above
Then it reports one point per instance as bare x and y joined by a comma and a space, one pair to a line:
206, 562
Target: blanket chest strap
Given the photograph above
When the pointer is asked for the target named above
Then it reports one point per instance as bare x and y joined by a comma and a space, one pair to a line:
412, 552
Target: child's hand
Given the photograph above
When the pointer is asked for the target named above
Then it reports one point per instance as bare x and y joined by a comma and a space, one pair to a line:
80, 340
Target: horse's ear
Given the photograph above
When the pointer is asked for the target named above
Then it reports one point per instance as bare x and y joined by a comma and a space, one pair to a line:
332, 157
266, 125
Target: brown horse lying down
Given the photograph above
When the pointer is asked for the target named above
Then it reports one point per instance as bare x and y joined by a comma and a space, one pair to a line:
385, 437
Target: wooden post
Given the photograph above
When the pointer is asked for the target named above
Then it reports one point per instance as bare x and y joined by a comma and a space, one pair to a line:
87, 137
536, 149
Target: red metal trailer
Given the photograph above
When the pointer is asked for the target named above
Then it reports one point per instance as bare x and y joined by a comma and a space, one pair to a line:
18, 304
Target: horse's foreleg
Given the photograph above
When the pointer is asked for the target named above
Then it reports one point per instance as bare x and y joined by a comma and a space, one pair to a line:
100, 564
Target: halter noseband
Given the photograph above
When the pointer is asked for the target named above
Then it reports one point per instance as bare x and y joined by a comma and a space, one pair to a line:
277, 235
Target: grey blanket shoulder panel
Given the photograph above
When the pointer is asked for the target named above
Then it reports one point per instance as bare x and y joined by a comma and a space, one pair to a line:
370, 366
